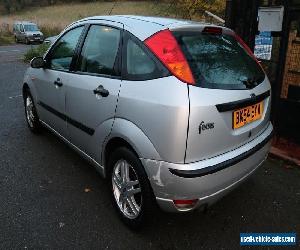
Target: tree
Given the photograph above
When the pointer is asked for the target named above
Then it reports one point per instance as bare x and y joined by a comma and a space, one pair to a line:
191, 8
7, 5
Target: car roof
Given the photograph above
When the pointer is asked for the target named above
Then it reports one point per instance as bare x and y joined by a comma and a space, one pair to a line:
144, 26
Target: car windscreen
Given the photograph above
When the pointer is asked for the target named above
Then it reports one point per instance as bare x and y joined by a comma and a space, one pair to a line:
30, 27
219, 61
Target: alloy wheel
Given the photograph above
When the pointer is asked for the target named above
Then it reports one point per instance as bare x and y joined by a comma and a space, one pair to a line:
126, 189
29, 111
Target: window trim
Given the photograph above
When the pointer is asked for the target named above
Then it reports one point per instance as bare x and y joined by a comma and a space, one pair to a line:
49, 53
118, 60
159, 66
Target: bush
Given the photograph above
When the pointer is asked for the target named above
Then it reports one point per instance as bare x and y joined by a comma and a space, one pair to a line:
50, 30
191, 9
34, 52
6, 38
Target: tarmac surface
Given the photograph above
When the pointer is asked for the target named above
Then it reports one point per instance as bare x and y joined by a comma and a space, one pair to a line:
44, 203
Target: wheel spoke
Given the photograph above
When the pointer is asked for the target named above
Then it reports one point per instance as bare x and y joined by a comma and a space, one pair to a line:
123, 204
132, 206
117, 181
132, 192
131, 184
124, 171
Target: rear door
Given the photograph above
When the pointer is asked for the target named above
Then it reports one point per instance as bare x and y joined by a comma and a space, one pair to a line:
230, 102
92, 90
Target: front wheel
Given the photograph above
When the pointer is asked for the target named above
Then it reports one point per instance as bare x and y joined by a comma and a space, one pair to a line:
30, 113
131, 191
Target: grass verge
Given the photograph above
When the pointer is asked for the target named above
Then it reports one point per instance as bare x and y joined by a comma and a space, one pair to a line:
34, 52
53, 19
6, 39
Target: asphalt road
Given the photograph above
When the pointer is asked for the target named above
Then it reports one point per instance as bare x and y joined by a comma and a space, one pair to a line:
43, 203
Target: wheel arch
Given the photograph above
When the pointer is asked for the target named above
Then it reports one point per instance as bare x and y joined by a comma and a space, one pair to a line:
25, 88
115, 143
127, 134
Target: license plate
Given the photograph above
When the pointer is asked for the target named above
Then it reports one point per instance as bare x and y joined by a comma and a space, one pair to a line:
246, 115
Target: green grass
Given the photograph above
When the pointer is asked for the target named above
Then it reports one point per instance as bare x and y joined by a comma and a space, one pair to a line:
6, 39
52, 19
34, 52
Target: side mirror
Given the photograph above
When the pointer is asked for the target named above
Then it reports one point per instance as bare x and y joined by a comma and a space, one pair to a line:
37, 62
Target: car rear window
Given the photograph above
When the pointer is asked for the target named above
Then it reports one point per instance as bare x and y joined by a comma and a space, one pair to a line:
219, 61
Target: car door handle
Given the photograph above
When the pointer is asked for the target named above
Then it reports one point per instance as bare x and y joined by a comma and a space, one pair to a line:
58, 83
101, 91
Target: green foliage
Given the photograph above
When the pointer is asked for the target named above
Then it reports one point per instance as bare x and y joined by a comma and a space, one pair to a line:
11, 6
193, 9
50, 30
34, 52
15, 5
6, 38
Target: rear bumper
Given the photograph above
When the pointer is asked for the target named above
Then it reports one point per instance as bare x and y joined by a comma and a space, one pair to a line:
207, 180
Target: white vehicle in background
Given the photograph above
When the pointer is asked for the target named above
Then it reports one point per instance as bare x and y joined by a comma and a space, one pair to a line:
27, 32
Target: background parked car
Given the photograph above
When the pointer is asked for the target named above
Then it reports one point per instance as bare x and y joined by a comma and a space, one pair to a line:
50, 40
27, 32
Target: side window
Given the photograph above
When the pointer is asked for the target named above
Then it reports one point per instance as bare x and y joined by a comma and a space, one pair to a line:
21, 28
62, 53
138, 62
99, 52
139, 65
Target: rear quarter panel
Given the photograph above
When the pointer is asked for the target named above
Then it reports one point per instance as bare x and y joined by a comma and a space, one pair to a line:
160, 109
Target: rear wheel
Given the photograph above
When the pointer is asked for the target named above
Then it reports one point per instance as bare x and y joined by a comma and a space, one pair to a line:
16, 39
131, 192
27, 41
30, 113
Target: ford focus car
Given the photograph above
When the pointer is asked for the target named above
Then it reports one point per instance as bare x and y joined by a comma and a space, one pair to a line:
173, 113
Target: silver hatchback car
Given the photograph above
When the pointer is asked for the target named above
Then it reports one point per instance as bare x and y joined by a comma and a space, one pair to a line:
172, 112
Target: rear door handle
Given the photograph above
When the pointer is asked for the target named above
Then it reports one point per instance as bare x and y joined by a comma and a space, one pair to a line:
58, 83
100, 90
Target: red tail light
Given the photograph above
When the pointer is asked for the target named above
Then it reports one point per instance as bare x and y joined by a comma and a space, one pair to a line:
164, 45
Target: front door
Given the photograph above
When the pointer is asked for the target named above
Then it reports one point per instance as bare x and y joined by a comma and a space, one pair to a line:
49, 82
92, 90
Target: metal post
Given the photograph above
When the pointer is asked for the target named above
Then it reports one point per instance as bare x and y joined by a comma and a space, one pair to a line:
241, 16
280, 68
